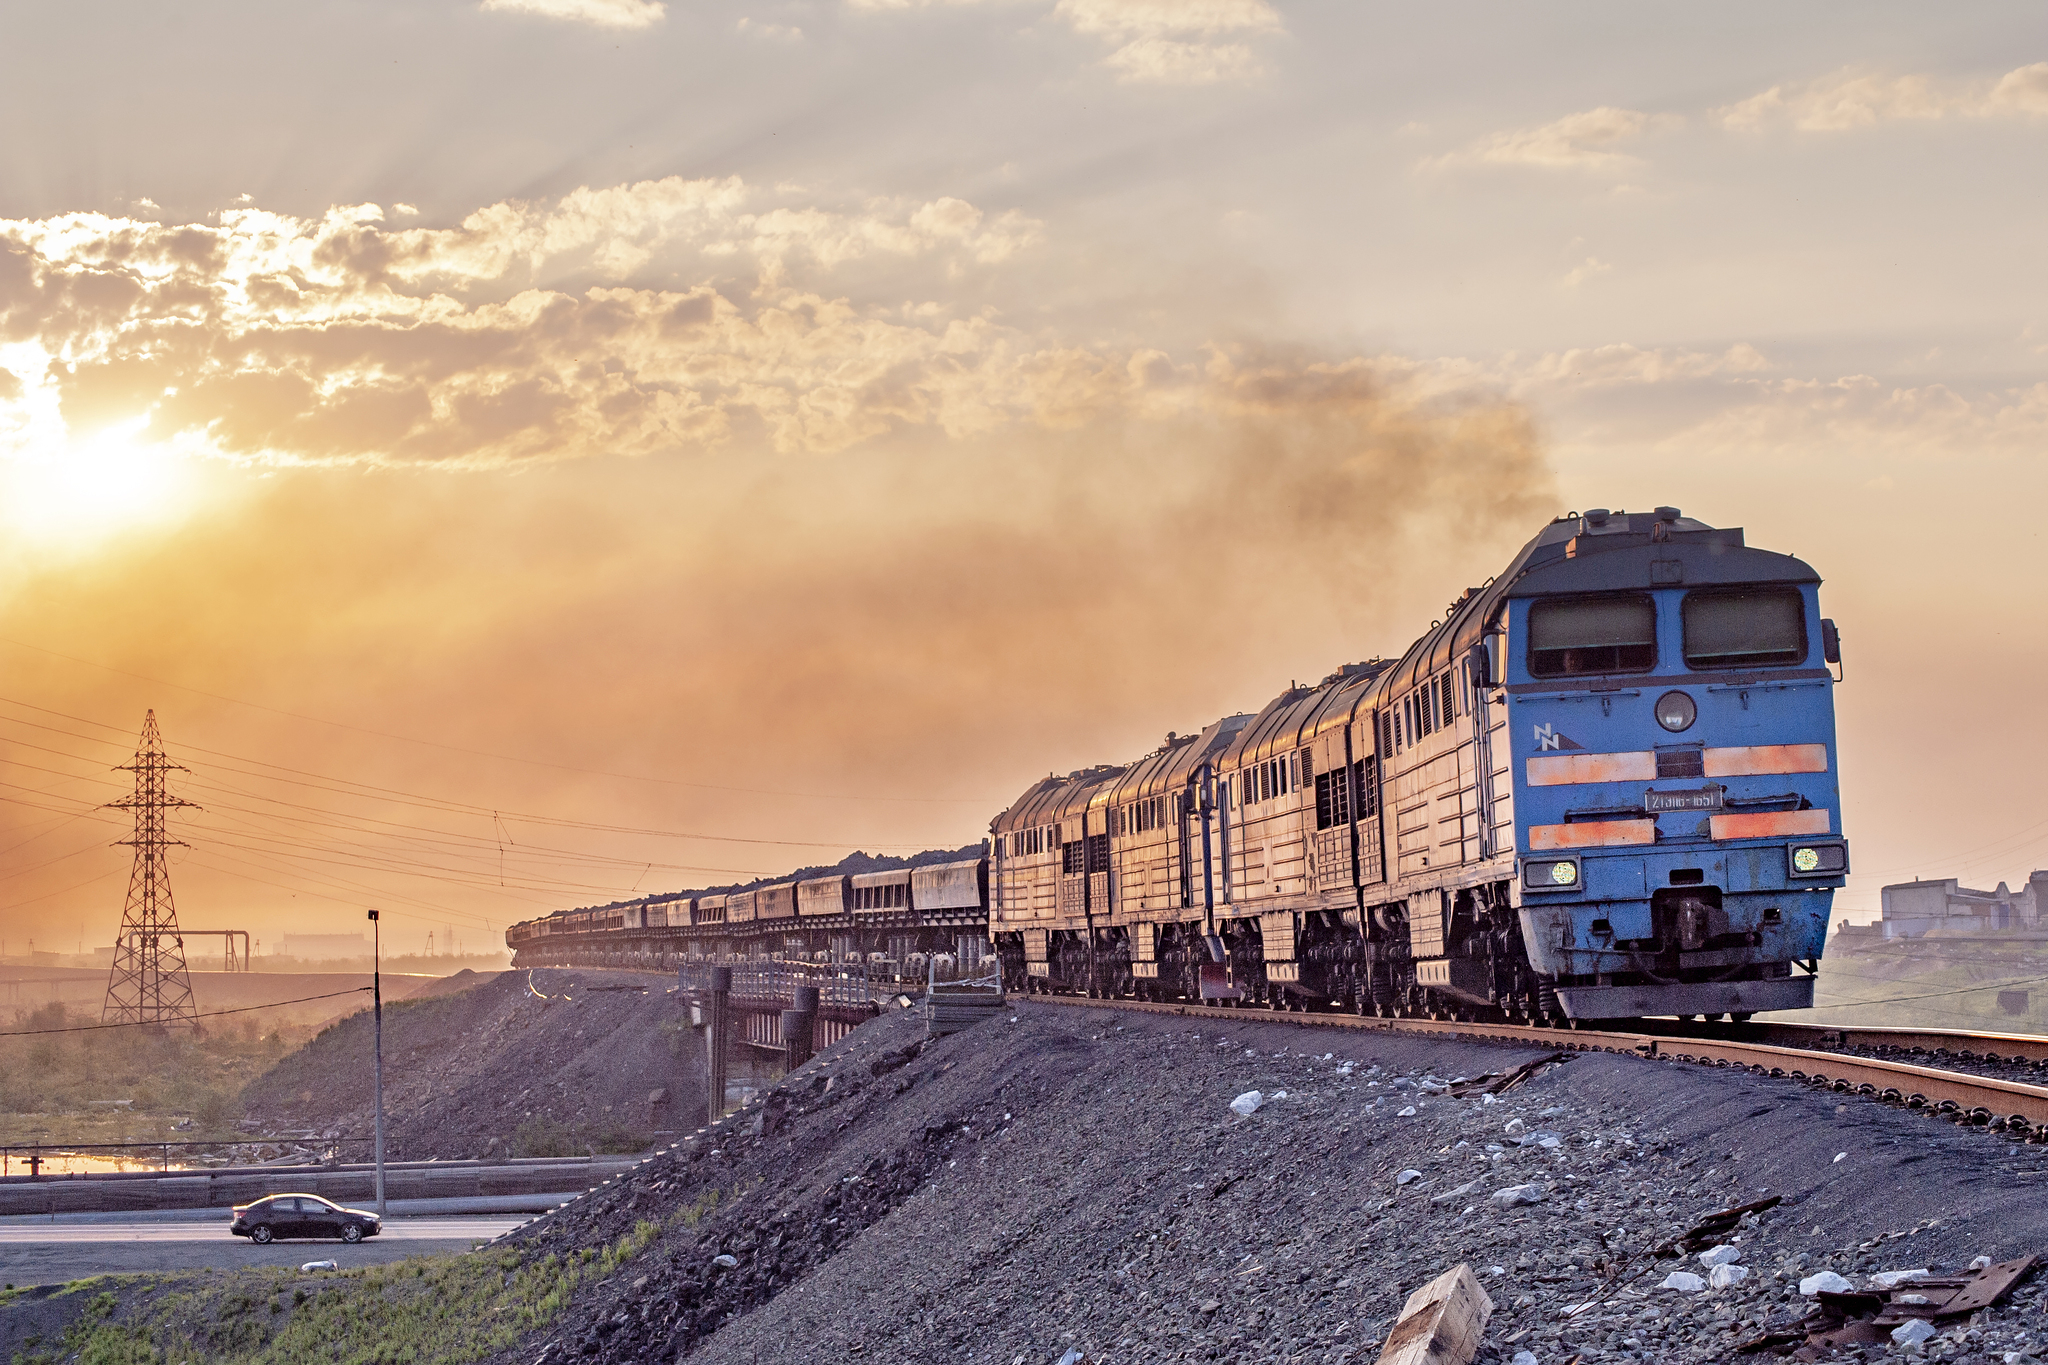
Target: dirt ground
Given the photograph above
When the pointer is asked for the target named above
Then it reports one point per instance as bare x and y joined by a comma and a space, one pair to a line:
481, 1065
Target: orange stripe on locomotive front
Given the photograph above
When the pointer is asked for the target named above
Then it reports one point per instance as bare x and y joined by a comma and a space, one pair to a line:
1592, 834
1758, 760
1769, 824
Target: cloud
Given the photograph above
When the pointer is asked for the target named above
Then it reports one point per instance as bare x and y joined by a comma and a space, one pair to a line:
1177, 42
1620, 364
661, 316
512, 336
780, 33
1849, 100
1590, 140
1156, 42
1584, 271
601, 13
1599, 139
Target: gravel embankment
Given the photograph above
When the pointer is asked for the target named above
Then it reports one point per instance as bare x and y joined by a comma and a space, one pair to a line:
466, 1071
1076, 1180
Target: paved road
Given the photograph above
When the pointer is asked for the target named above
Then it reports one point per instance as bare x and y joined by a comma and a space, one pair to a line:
53, 1253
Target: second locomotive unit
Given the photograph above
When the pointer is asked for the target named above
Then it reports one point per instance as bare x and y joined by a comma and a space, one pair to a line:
1605, 786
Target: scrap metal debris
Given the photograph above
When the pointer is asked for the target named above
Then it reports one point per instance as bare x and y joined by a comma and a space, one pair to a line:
1713, 1227
1873, 1317
1500, 1082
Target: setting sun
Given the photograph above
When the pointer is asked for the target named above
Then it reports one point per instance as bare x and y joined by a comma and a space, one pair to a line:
101, 485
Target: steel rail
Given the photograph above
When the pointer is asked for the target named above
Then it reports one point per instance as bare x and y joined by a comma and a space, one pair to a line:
1983, 1100
2015, 1047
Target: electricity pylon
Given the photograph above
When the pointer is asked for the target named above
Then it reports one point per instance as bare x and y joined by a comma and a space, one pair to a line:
149, 984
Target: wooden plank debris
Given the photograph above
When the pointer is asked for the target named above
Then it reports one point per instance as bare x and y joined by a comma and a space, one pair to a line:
1442, 1322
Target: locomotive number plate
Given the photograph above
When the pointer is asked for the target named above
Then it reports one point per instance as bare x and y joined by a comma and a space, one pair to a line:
1699, 798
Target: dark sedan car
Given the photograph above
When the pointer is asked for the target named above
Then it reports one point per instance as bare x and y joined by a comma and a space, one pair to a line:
302, 1215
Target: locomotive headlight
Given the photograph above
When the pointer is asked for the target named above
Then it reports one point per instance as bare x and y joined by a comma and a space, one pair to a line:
1559, 874
1818, 860
1676, 712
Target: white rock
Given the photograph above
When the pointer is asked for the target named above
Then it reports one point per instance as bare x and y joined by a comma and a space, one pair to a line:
1410, 1174
1279, 1094
1485, 1100
1721, 1255
1514, 1126
1981, 1263
1072, 1357
728, 1262
1912, 1332
1522, 1358
320, 1265
1727, 1275
1405, 1113
1556, 1111
1892, 1279
1684, 1281
1247, 1104
1448, 1195
1839, 1156
1826, 1282
1517, 1194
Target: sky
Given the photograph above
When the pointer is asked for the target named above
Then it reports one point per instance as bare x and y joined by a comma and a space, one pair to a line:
532, 451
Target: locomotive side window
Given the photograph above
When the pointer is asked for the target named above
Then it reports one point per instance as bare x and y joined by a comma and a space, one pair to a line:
1571, 635
1755, 628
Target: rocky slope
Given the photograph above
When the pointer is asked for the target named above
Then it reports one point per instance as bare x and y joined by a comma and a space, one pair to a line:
495, 1069
1074, 1179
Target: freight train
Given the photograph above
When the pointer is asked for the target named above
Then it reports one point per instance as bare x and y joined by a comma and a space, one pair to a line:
1603, 786
893, 922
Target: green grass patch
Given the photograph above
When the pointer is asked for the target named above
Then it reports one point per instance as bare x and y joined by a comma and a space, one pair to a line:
411, 1312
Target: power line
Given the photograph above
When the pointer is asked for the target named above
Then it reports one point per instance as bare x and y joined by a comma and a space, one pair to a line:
477, 753
210, 1014
349, 787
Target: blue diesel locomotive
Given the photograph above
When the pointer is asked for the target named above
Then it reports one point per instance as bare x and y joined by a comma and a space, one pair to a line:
1604, 786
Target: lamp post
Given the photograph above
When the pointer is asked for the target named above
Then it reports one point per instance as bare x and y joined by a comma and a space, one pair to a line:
377, 1008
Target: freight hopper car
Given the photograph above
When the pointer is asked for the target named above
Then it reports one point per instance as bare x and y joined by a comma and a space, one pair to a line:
1604, 786
894, 922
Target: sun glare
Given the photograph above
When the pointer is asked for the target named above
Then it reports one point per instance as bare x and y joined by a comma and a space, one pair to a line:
97, 487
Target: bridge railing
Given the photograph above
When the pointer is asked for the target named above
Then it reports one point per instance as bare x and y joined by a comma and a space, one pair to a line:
844, 985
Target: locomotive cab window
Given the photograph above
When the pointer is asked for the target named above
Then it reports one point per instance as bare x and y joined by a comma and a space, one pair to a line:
1755, 628
1573, 635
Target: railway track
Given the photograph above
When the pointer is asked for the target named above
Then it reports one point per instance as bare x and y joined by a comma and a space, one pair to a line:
1797, 1053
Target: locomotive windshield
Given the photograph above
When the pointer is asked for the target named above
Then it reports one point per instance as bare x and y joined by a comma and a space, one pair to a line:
1755, 628
1569, 635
